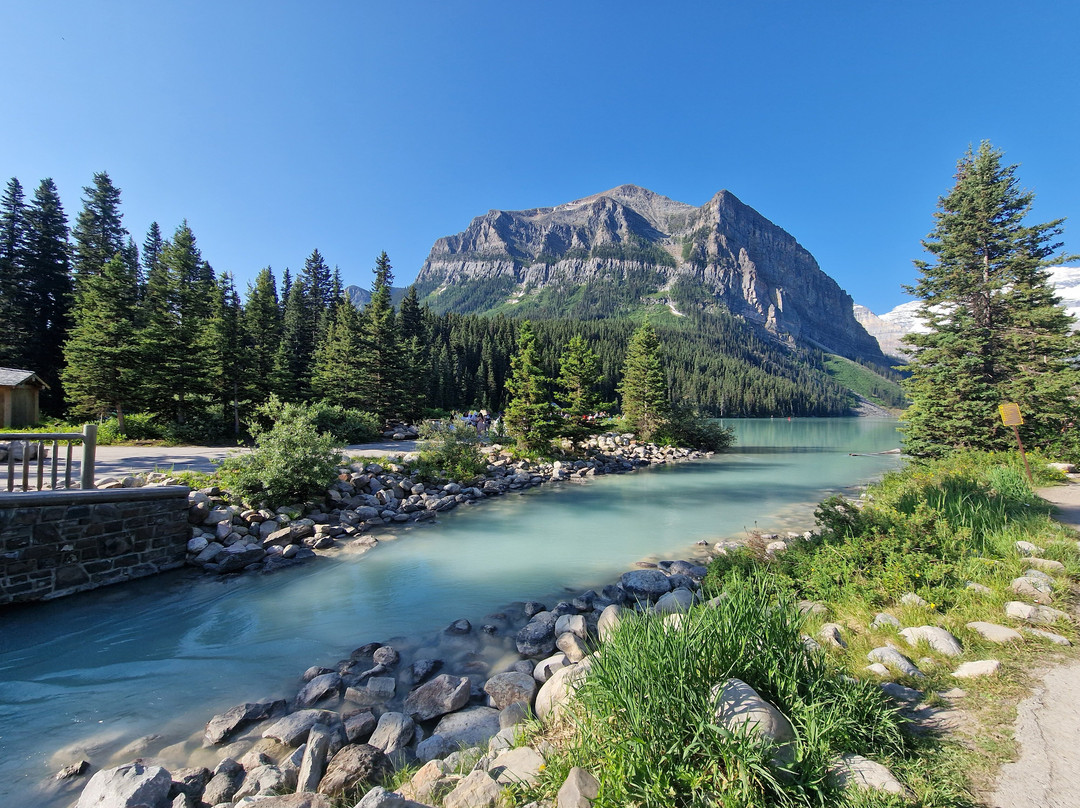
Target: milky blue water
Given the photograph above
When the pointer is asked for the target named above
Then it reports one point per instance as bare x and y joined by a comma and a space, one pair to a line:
88, 674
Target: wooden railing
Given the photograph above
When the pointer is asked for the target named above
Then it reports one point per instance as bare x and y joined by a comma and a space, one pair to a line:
30, 470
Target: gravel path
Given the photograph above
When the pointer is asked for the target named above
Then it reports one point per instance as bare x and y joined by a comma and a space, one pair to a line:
1047, 773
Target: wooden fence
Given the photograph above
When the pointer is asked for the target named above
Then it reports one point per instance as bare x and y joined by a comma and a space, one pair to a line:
34, 457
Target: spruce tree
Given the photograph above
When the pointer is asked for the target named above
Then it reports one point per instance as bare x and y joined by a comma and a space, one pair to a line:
16, 311
99, 231
103, 366
416, 357
338, 368
645, 404
996, 331
381, 386
48, 266
292, 363
579, 371
262, 334
226, 353
152, 247
530, 417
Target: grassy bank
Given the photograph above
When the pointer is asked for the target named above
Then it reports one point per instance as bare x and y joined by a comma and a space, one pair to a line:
947, 532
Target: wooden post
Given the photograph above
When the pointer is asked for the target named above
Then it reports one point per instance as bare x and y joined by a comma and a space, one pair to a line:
1023, 454
86, 473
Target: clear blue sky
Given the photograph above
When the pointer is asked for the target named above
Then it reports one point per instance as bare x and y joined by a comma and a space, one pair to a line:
356, 127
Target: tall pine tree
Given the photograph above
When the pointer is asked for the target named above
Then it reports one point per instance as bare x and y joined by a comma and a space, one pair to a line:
996, 331
530, 417
99, 231
645, 404
16, 311
262, 334
381, 386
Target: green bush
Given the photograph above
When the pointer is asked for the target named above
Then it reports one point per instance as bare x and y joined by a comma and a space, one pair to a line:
346, 425
686, 428
199, 427
137, 426
449, 450
291, 461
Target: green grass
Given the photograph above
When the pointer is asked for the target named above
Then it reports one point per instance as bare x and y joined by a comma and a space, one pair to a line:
862, 380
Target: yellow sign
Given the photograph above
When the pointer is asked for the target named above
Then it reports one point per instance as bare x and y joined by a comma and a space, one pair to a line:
1010, 414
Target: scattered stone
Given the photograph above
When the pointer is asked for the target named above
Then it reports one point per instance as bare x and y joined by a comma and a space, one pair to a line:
478, 790
995, 633
812, 607
878, 669
1047, 565
127, 786
513, 714
677, 601
572, 645
313, 763
321, 687
1026, 548
1033, 614
470, 727
556, 691
609, 621
443, 694
911, 599
354, 764
504, 689
536, 638
379, 797
222, 726
978, 588
855, 771
546, 668
429, 783
394, 732
578, 790
359, 726
937, 638
894, 660
293, 729
737, 705
421, 669
73, 770
574, 624
883, 620
645, 585
375, 692
265, 779
898, 692
521, 765
830, 635
1033, 588
1057, 639
983, 667
434, 748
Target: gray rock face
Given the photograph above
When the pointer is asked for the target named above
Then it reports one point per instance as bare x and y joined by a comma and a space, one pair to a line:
131, 786
743, 260
645, 584
443, 694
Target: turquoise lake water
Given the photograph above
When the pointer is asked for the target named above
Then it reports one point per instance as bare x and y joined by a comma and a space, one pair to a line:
87, 675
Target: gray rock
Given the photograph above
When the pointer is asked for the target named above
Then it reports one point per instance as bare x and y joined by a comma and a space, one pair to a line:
222, 726
911, 599
995, 633
470, 727
130, 786
609, 621
830, 635
1057, 639
572, 645
676, 601
324, 686
313, 763
386, 655
522, 765
898, 692
557, 691
812, 607
265, 779
190, 782
982, 667
1032, 588
293, 729
1026, 548
573, 623
434, 748
855, 771
287, 801
883, 620
1033, 614
536, 638
893, 659
421, 669
738, 707
546, 668
443, 694
394, 732
478, 790
979, 588
354, 764
375, 692
578, 790
645, 584
513, 714
937, 638
358, 727
222, 786
1047, 565
504, 689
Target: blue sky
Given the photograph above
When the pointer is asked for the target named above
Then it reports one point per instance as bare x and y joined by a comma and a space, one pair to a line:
356, 127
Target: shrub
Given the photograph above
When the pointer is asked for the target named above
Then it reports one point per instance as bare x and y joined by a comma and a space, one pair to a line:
137, 426
687, 429
291, 461
449, 451
346, 425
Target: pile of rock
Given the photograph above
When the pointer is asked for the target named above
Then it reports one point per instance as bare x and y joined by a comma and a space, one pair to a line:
386, 706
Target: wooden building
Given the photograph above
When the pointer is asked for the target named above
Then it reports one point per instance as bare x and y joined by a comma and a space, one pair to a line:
19, 391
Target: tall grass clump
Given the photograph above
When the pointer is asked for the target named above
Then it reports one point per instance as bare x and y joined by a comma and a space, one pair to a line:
449, 451
645, 716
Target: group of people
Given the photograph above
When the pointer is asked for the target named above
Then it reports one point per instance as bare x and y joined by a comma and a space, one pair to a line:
481, 421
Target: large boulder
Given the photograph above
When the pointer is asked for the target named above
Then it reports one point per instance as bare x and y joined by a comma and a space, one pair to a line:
394, 732
265, 779
937, 638
894, 660
313, 763
222, 726
130, 786
443, 694
645, 584
293, 729
354, 764
504, 689
578, 790
471, 727
739, 708
521, 765
609, 621
858, 772
557, 691
320, 687
478, 790
536, 638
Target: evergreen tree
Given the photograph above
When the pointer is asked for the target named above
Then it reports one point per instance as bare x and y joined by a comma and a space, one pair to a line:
644, 391
262, 334
338, 368
152, 247
16, 311
226, 355
49, 269
997, 333
579, 371
292, 363
412, 316
530, 418
416, 360
99, 231
381, 386
102, 364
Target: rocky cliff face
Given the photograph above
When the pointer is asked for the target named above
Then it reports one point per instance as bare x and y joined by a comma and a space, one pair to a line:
724, 252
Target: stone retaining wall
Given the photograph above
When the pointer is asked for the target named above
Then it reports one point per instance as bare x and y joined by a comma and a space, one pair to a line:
55, 543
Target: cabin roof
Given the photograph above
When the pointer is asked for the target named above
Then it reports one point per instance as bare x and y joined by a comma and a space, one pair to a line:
13, 377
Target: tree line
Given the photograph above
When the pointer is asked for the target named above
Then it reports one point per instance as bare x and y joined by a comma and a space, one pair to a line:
115, 328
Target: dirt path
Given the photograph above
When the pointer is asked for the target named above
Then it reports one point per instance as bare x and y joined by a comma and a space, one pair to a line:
1047, 773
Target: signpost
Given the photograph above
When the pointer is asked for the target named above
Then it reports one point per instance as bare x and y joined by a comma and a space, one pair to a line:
1010, 416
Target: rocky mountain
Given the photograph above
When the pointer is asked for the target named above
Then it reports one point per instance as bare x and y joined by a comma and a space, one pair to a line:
889, 327
360, 296
629, 247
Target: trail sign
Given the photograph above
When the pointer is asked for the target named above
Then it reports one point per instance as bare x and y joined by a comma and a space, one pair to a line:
1010, 414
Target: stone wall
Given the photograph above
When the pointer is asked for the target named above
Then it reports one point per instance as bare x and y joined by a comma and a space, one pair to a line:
55, 543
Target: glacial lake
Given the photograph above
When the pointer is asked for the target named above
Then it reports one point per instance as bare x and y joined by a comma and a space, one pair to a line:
87, 675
